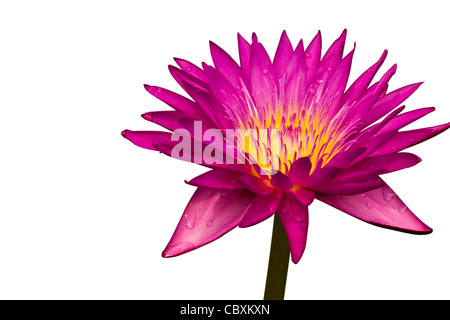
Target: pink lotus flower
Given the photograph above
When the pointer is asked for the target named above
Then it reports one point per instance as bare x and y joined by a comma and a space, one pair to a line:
302, 134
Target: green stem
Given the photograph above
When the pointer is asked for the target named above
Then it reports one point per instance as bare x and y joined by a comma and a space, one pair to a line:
278, 263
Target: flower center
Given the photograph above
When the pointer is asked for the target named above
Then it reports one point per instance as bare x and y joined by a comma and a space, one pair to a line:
277, 134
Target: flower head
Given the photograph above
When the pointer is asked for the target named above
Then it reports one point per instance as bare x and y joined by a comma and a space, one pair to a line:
279, 134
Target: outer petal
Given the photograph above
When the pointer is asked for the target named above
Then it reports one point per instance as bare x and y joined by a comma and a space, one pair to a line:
255, 184
294, 217
218, 179
406, 139
261, 208
209, 215
363, 81
381, 207
176, 101
389, 102
312, 54
283, 55
147, 139
191, 68
167, 119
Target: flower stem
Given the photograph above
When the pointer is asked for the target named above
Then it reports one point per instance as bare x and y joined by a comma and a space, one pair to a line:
278, 262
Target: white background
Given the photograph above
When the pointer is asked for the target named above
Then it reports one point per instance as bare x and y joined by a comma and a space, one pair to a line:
84, 214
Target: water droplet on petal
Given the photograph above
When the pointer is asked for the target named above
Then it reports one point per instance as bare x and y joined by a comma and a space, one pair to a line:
312, 91
265, 71
209, 223
308, 55
402, 208
363, 195
388, 194
159, 91
368, 205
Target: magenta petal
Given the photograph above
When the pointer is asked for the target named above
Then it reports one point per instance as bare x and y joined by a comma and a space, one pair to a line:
305, 196
404, 119
255, 184
381, 207
294, 217
321, 177
218, 179
388, 162
167, 119
312, 54
283, 55
406, 139
300, 170
337, 47
261, 75
147, 139
176, 101
244, 55
336, 83
388, 102
349, 188
363, 81
226, 65
280, 181
261, 208
208, 215
191, 68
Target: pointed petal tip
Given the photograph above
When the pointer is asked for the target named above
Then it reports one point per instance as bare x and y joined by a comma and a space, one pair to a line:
124, 133
254, 38
147, 116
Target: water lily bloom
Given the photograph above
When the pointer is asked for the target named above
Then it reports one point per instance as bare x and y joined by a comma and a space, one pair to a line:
278, 134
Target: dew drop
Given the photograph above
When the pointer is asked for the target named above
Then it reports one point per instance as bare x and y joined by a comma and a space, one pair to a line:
368, 205
402, 208
265, 71
159, 91
312, 91
388, 194
308, 55
363, 195
209, 223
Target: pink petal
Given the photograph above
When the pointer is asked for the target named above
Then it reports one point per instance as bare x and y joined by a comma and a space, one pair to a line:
167, 119
209, 215
147, 139
361, 84
218, 179
191, 69
280, 181
389, 102
261, 208
282, 55
305, 196
312, 55
349, 188
261, 75
388, 162
404, 119
321, 177
300, 170
381, 207
294, 217
296, 77
174, 100
244, 55
226, 65
406, 139
256, 184
337, 47
336, 83
184, 77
